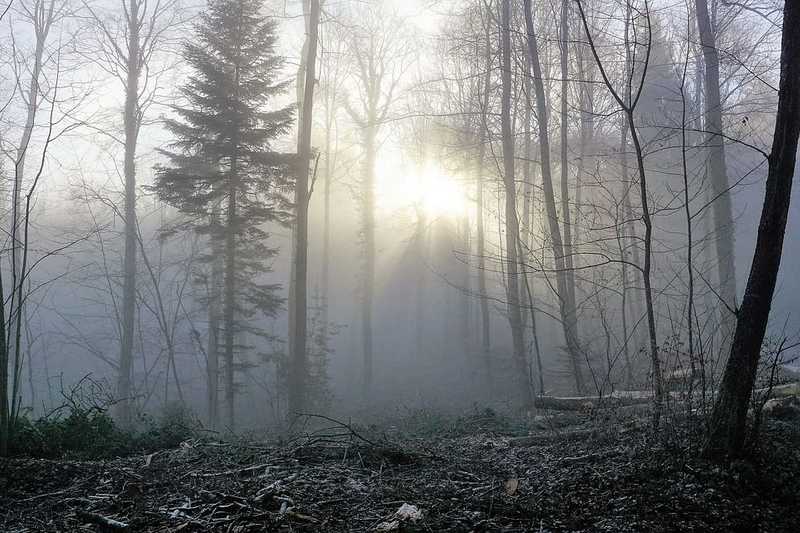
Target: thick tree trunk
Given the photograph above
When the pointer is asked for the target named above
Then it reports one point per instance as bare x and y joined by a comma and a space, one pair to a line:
511, 220
131, 123
566, 304
729, 418
298, 367
716, 168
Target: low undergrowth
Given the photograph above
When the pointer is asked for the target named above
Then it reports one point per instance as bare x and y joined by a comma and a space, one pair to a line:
89, 432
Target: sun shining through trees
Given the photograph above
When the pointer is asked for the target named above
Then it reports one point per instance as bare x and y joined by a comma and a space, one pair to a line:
334, 235
430, 188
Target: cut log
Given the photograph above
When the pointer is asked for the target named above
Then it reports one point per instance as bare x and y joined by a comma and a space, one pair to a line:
785, 408
779, 391
628, 398
588, 403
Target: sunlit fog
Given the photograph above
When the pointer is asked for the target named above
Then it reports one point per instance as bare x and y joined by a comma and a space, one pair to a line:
263, 216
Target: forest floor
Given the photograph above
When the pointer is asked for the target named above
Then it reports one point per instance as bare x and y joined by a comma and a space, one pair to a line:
481, 472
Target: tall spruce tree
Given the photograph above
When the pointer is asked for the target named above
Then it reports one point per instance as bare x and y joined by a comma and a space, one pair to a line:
222, 171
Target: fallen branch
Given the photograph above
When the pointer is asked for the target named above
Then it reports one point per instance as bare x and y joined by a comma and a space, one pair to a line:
344, 425
103, 521
237, 471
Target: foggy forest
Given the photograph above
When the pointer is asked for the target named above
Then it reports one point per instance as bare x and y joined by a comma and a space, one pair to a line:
399, 265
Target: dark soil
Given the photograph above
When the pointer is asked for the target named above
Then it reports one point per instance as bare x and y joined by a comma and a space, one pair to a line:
468, 478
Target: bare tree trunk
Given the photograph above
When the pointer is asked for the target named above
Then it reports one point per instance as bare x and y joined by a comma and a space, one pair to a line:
564, 130
646, 273
229, 298
370, 146
710, 306
326, 223
131, 123
626, 241
464, 310
41, 17
689, 228
511, 220
479, 210
298, 368
5, 427
729, 418
420, 296
214, 325
537, 353
527, 177
566, 304
586, 161
723, 212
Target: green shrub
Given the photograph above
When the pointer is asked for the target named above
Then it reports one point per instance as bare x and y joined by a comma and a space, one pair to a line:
91, 433
80, 434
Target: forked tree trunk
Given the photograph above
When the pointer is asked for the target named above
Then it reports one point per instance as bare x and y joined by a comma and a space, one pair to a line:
627, 103
729, 418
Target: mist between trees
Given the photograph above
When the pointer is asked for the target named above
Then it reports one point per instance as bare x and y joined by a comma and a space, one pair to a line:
254, 209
